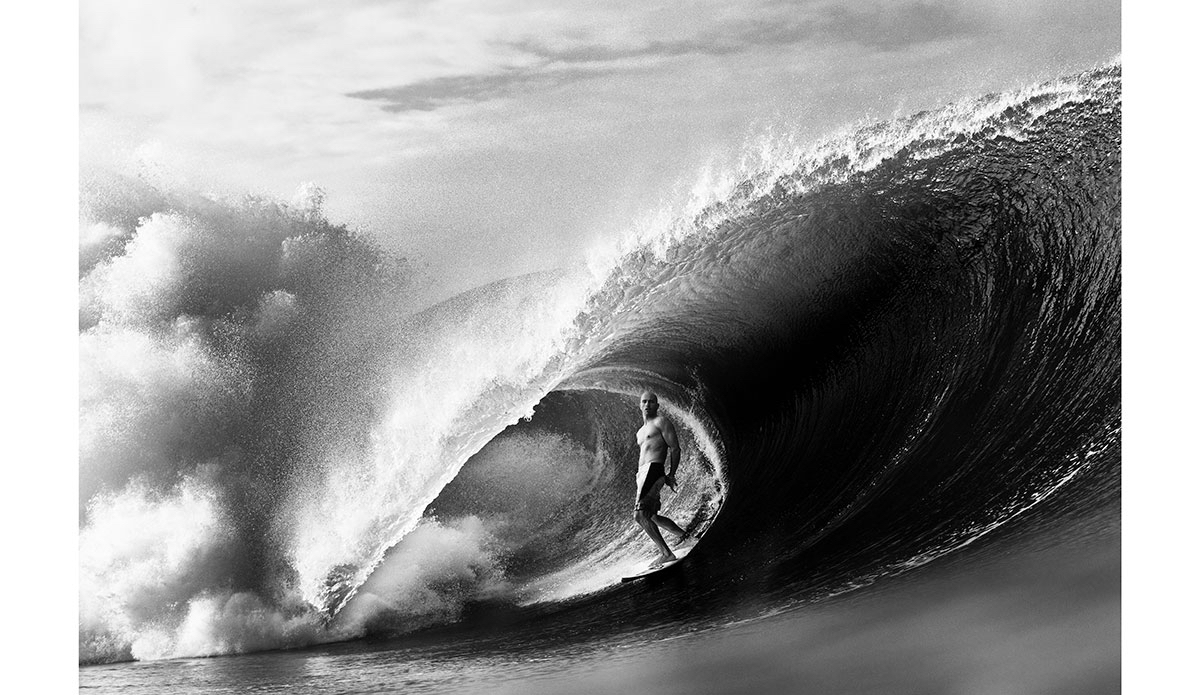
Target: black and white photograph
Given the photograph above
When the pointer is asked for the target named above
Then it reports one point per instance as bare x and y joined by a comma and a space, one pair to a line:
536, 347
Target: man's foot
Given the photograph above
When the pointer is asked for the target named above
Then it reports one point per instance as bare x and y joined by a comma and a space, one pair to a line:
663, 559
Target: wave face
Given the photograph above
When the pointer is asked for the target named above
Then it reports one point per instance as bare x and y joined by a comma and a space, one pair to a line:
878, 351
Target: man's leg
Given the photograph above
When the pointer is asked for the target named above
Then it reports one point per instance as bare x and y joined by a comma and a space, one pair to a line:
651, 530
668, 525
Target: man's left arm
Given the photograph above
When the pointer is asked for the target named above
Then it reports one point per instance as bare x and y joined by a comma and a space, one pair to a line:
673, 450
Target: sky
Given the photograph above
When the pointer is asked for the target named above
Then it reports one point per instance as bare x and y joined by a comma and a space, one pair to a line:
491, 139
90, 88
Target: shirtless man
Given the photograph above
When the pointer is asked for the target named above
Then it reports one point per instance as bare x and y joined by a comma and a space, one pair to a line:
659, 444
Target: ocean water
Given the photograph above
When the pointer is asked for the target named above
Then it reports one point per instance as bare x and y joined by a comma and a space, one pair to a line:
894, 359
1024, 619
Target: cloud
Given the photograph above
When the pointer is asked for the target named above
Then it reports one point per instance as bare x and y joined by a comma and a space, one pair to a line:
887, 26
595, 53
892, 28
432, 94
560, 58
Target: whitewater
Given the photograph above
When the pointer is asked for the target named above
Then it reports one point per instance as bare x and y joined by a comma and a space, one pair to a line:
886, 349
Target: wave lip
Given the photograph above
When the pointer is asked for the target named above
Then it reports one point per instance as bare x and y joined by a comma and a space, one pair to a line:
880, 349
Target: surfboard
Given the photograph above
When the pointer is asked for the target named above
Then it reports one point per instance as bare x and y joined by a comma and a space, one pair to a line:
680, 554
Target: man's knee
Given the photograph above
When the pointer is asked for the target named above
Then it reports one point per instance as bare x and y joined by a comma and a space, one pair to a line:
641, 516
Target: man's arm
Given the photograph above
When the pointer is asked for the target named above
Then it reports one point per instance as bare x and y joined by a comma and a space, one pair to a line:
673, 450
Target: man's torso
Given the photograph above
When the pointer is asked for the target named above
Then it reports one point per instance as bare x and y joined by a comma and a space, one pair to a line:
653, 445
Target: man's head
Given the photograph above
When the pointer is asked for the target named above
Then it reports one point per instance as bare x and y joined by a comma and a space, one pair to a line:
649, 404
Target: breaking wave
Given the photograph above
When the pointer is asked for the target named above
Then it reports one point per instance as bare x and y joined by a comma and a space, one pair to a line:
878, 350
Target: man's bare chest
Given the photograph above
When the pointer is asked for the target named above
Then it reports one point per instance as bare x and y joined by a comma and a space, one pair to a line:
650, 432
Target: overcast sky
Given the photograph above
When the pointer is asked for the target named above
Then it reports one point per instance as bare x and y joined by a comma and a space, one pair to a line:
491, 138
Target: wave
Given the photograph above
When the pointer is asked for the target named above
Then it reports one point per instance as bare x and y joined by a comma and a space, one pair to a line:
878, 350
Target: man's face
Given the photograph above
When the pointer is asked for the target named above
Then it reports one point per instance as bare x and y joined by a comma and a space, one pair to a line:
649, 404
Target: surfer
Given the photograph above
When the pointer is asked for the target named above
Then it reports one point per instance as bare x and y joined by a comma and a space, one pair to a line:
659, 444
